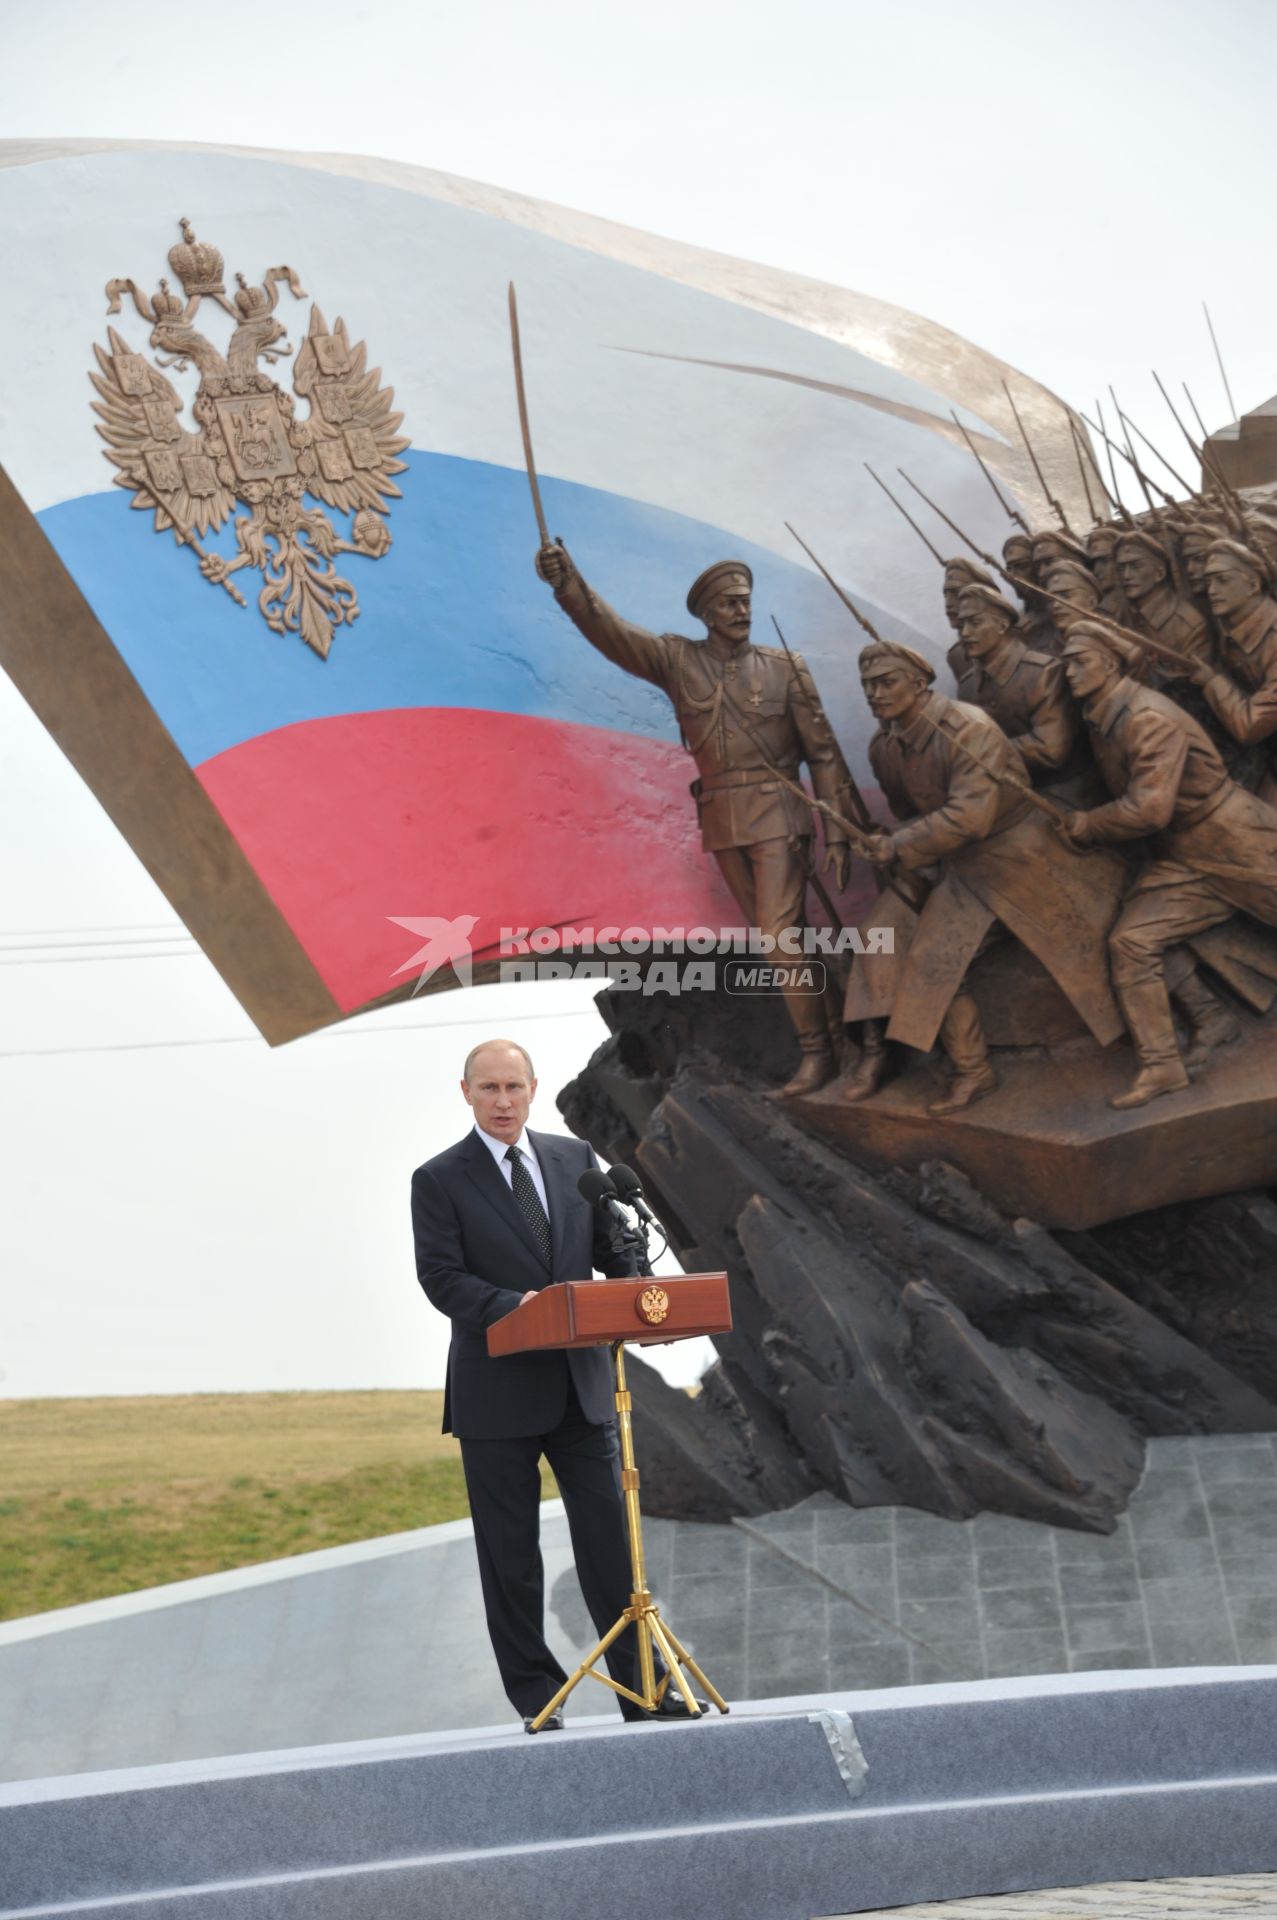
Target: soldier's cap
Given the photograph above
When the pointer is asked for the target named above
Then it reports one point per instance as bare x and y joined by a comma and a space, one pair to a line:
1263, 532
1103, 536
1017, 540
1086, 635
1136, 537
892, 652
723, 573
1072, 548
968, 570
977, 599
1203, 533
1242, 555
1075, 573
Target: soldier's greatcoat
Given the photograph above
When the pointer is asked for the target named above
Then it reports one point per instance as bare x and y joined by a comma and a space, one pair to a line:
999, 859
1025, 692
1244, 694
1214, 845
737, 709
963, 668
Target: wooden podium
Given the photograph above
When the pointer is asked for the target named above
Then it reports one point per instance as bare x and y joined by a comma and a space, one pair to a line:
608, 1313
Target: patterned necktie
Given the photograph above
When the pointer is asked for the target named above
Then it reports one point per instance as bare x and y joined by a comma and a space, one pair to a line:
530, 1205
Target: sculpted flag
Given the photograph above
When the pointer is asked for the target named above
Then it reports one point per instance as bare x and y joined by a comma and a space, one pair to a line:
268, 567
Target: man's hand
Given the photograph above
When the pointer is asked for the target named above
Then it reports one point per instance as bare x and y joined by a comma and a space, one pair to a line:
1076, 828
838, 863
881, 850
1200, 672
527, 1297
554, 565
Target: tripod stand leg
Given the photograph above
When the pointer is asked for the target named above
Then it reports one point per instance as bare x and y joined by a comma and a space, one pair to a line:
586, 1667
672, 1663
685, 1660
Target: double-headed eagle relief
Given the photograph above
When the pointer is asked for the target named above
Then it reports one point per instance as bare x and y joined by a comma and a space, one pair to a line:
248, 445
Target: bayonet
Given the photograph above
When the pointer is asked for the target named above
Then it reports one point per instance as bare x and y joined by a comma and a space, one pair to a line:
1232, 506
952, 525
1219, 361
1057, 509
934, 551
1011, 512
1081, 467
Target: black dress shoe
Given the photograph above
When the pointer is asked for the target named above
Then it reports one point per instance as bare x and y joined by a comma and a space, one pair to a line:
553, 1725
672, 1707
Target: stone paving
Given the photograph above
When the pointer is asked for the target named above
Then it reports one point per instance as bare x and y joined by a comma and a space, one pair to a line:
825, 1596
1250, 1896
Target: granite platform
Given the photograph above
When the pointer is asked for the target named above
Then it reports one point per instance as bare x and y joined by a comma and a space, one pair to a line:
785, 1810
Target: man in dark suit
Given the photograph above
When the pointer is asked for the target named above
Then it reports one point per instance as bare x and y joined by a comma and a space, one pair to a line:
496, 1218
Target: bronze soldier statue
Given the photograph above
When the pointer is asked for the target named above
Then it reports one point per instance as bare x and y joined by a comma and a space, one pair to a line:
1194, 543
1101, 551
1214, 849
1242, 690
957, 784
1037, 626
1025, 692
1156, 608
745, 712
1052, 546
1071, 581
959, 573
1144, 575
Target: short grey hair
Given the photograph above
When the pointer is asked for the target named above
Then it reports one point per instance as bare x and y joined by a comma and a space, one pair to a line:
483, 1048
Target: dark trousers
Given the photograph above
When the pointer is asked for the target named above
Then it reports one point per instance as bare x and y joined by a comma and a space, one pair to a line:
503, 1482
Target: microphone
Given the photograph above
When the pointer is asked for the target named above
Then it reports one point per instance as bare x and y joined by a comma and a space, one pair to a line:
628, 1186
595, 1187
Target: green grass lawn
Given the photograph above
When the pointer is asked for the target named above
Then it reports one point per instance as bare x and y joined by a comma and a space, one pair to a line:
105, 1496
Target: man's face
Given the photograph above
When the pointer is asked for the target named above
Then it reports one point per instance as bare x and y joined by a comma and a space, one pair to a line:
1088, 670
892, 691
727, 614
1046, 550
1083, 597
1138, 571
1229, 585
953, 585
1101, 550
982, 632
1193, 554
499, 1091
1018, 555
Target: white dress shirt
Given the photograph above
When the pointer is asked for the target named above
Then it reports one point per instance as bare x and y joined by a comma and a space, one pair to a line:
499, 1148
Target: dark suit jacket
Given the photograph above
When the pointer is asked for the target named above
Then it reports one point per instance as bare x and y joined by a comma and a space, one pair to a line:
476, 1258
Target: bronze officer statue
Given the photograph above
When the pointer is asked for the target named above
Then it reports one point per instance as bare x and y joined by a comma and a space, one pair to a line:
745, 714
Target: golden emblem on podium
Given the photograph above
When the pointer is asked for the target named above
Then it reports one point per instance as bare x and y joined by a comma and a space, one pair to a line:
653, 1305
245, 443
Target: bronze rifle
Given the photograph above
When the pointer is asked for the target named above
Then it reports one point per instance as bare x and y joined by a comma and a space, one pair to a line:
1056, 508
1010, 512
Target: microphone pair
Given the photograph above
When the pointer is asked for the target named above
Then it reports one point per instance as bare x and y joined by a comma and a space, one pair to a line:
611, 1191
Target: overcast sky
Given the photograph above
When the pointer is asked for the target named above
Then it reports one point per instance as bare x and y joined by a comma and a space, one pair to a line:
183, 1209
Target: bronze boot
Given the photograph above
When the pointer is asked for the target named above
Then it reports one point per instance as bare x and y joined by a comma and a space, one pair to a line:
1210, 1023
1146, 1009
962, 1038
870, 1071
817, 1066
